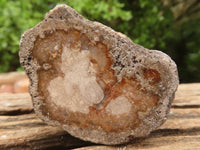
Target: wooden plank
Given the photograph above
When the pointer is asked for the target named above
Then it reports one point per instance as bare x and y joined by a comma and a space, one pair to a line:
29, 132
11, 77
25, 131
15, 104
187, 95
156, 143
184, 113
183, 119
189, 89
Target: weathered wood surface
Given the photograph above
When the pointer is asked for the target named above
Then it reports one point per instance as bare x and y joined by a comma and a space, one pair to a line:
11, 77
14, 104
14, 82
21, 129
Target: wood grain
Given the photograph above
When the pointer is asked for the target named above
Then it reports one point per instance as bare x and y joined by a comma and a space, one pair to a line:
187, 95
15, 104
11, 77
21, 129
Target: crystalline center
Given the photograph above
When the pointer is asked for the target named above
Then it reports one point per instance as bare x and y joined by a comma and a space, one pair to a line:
78, 89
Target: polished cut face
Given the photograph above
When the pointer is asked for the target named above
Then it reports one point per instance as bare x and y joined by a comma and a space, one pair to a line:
76, 77
93, 81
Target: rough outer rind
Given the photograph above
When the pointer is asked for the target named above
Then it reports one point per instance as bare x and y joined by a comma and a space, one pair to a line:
122, 50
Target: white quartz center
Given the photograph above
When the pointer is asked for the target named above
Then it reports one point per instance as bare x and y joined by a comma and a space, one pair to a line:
78, 89
118, 106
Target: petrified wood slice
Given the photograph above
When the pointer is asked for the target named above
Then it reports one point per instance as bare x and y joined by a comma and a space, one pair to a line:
95, 82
